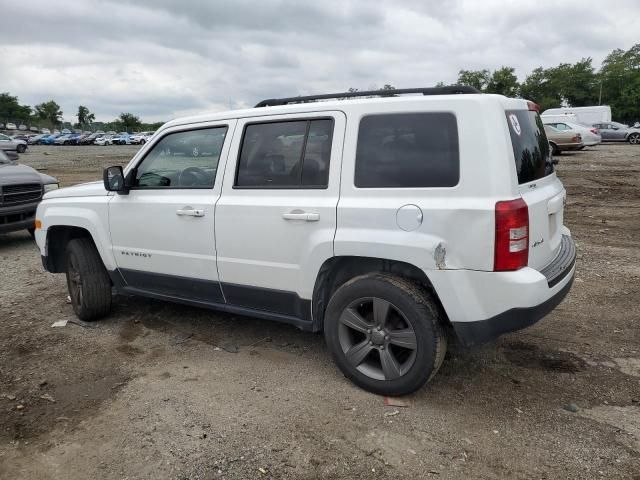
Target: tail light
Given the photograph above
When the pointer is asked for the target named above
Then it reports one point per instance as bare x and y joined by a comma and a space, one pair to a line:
594, 131
533, 106
512, 235
577, 138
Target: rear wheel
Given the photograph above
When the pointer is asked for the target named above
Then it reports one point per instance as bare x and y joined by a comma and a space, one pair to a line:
21, 148
634, 139
554, 149
384, 334
88, 281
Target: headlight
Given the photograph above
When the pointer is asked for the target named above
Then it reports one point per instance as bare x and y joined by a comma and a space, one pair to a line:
50, 186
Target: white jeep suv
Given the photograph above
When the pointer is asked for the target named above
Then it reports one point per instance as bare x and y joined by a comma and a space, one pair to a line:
391, 223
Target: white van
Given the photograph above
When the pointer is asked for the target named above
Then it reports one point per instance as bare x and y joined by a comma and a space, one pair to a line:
584, 115
563, 117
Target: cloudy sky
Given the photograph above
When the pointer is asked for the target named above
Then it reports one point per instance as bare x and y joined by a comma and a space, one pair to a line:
161, 59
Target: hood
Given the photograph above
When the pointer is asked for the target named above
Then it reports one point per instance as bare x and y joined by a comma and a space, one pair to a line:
91, 189
14, 173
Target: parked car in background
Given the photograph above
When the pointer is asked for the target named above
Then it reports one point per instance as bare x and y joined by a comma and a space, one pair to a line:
33, 129
8, 143
22, 126
62, 140
20, 137
45, 130
66, 131
1, 126
122, 139
35, 140
21, 189
78, 139
141, 138
11, 126
563, 140
590, 135
104, 140
617, 132
89, 139
49, 139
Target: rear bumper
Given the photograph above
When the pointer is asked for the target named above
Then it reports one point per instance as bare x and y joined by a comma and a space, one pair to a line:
570, 146
475, 333
484, 305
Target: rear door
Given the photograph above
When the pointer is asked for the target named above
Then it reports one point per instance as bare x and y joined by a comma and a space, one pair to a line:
276, 217
538, 184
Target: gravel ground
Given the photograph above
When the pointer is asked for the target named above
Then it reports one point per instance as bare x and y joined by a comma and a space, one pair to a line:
166, 391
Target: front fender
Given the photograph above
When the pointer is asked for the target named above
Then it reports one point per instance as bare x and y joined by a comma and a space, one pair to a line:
92, 215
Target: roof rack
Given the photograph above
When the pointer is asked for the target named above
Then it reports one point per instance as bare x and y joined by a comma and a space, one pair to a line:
450, 90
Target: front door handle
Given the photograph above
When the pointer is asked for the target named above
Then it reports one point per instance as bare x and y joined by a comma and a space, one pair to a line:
301, 215
190, 212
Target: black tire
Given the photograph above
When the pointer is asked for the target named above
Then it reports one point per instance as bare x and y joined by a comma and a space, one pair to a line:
32, 232
554, 149
142, 142
85, 270
412, 307
21, 148
634, 139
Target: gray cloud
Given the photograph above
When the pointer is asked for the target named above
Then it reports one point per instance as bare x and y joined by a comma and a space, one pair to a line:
161, 59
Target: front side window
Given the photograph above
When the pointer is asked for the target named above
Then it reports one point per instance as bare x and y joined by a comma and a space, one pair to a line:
182, 160
290, 154
408, 150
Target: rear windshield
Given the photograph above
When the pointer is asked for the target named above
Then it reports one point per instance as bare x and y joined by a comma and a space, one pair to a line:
530, 145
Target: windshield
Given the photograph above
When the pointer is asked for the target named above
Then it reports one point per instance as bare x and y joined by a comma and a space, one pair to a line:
530, 146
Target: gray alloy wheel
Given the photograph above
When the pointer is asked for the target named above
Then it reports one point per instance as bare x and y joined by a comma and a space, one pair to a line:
634, 139
377, 339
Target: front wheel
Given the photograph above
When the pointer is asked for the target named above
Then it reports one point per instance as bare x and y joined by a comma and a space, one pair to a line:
21, 148
384, 334
88, 281
634, 139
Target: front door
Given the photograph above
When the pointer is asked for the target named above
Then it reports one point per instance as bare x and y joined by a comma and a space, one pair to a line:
162, 232
276, 218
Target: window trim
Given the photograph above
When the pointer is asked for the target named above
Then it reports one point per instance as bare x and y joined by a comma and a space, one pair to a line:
134, 168
404, 189
235, 185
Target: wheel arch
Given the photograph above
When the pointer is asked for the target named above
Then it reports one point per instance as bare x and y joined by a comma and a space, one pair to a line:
336, 271
58, 237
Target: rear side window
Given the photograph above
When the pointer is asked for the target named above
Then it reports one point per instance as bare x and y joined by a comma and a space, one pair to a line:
292, 154
408, 150
530, 146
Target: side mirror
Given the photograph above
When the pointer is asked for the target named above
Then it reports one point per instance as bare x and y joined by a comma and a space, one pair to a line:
113, 178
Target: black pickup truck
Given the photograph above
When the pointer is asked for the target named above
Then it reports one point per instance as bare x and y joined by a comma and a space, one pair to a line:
21, 189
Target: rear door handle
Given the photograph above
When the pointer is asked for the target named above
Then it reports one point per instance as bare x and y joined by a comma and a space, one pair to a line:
190, 212
300, 215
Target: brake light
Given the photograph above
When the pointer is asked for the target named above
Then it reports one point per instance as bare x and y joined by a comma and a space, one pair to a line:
512, 235
594, 130
533, 106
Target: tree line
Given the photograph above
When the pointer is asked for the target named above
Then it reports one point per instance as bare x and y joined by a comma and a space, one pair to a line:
616, 83
48, 114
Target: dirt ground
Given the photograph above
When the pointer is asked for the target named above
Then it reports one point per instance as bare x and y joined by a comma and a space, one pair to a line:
166, 391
